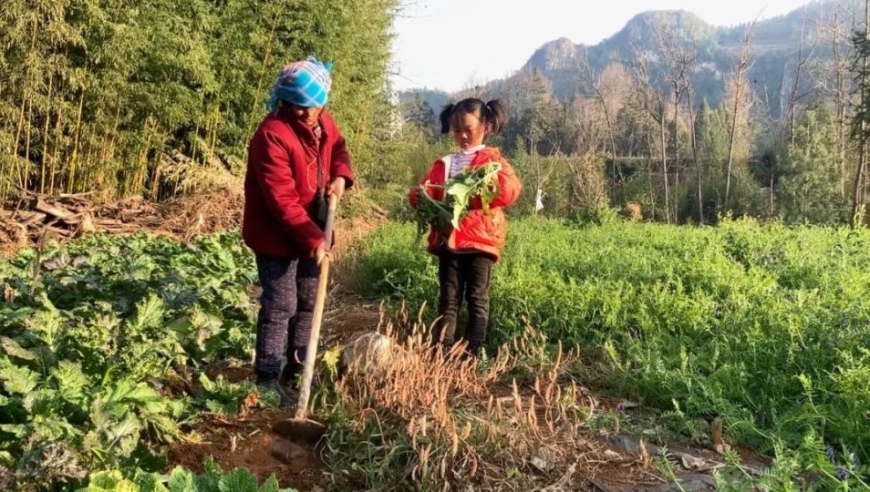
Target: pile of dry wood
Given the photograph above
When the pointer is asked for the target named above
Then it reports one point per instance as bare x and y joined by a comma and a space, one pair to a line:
28, 218
31, 218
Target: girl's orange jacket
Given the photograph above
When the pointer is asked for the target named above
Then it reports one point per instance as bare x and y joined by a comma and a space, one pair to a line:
478, 232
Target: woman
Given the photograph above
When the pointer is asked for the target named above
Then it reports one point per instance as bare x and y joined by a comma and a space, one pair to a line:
296, 158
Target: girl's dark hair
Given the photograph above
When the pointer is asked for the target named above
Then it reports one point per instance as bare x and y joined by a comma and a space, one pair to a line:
492, 113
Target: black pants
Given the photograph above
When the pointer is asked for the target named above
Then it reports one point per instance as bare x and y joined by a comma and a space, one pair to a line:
286, 311
464, 276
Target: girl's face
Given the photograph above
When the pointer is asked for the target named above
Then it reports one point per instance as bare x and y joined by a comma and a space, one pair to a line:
469, 130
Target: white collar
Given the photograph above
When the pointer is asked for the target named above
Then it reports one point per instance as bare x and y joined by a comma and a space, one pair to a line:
472, 150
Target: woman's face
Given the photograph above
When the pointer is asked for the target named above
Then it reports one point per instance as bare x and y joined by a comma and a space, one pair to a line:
308, 116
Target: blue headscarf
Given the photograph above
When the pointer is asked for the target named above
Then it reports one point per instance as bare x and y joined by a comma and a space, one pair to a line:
304, 83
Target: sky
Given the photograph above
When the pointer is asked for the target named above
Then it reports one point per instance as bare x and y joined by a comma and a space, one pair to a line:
453, 44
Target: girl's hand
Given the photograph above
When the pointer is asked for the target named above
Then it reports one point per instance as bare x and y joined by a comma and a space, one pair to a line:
442, 224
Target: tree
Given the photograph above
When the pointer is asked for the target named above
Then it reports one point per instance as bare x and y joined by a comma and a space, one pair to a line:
711, 130
655, 105
537, 113
795, 94
810, 180
739, 87
861, 117
679, 69
96, 95
690, 110
419, 113
837, 82
609, 90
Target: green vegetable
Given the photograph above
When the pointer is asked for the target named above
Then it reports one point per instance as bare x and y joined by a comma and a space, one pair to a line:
459, 190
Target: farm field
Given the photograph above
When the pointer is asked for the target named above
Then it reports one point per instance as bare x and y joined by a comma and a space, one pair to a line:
764, 326
122, 353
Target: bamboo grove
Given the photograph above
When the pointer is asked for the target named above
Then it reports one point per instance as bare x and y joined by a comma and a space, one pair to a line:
116, 97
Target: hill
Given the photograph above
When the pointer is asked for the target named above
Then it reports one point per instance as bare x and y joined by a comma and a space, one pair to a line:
776, 46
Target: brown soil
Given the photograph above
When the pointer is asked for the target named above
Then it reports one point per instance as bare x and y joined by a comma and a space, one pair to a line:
247, 443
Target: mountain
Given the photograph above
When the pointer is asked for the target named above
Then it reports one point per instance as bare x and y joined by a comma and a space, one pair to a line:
436, 99
775, 46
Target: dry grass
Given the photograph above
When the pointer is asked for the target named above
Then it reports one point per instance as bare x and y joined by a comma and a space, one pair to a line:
426, 421
590, 183
13, 236
187, 217
632, 212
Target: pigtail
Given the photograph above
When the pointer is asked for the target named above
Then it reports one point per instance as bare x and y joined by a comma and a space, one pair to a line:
496, 116
446, 116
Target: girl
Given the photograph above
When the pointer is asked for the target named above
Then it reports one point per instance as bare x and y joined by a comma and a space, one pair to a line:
295, 158
466, 255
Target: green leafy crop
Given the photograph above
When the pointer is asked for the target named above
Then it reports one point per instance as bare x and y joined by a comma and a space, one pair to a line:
479, 181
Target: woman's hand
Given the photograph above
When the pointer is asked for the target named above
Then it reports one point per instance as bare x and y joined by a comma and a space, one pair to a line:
337, 187
320, 252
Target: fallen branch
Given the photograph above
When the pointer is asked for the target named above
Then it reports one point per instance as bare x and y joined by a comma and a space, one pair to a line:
50, 209
563, 481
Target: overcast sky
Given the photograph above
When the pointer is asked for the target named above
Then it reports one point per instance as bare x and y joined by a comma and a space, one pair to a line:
449, 44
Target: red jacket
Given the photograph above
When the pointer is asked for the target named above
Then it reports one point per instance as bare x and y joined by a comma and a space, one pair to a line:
281, 181
477, 231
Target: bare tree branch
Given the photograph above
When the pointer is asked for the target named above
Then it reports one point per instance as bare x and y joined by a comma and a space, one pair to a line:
742, 66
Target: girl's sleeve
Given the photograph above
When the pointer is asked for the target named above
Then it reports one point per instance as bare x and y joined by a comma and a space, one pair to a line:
509, 186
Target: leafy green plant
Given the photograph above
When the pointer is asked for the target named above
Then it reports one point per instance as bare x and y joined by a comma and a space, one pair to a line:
213, 479
225, 398
94, 338
762, 325
479, 181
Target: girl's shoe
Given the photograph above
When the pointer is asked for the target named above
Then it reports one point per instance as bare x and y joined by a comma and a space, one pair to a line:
473, 349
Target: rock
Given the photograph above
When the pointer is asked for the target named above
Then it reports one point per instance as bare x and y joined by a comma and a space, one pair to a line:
696, 464
693, 483
543, 459
625, 405
626, 444
687, 483
611, 455
703, 426
756, 467
286, 451
367, 352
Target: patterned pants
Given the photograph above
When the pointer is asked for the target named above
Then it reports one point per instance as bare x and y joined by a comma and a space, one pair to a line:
286, 312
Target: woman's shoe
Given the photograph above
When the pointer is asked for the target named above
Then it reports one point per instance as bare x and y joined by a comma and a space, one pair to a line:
288, 399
